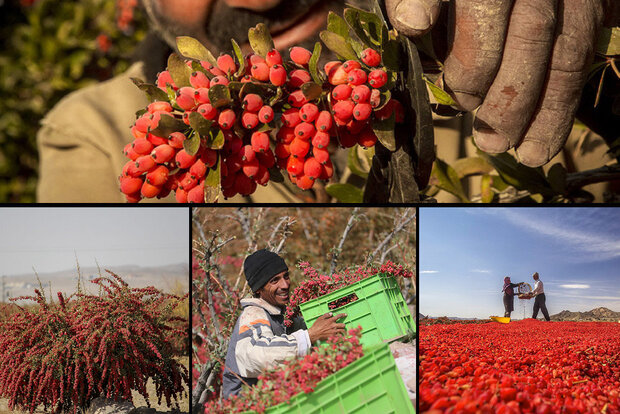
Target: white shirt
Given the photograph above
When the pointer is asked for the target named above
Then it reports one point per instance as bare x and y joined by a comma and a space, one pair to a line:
538, 288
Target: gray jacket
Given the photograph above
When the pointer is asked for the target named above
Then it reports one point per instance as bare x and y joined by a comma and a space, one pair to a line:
260, 341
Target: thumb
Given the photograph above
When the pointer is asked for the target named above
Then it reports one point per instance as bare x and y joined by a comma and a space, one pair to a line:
413, 17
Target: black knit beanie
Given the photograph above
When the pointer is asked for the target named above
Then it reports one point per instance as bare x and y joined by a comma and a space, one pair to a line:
261, 266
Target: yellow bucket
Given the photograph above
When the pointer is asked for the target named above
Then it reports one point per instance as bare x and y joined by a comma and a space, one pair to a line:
500, 319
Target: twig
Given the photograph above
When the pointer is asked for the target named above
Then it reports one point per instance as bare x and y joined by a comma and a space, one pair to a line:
201, 384
275, 230
285, 234
401, 223
336, 251
579, 179
303, 224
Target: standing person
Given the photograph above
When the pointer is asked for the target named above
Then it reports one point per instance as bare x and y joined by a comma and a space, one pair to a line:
509, 296
539, 294
260, 340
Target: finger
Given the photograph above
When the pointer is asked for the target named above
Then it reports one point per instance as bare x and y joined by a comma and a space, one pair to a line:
479, 28
573, 51
326, 315
340, 326
510, 102
413, 17
340, 316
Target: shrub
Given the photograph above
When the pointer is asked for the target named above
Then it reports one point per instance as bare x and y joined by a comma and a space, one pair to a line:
62, 355
295, 376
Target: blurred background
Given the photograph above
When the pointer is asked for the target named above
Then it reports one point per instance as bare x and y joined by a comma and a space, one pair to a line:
48, 49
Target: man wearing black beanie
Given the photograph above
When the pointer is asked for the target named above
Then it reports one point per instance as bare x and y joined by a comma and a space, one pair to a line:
260, 340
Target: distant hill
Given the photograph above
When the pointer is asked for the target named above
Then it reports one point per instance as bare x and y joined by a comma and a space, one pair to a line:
598, 314
169, 278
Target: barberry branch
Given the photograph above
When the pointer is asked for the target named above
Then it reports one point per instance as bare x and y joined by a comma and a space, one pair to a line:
337, 250
401, 223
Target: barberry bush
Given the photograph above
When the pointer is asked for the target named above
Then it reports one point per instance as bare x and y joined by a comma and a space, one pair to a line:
62, 354
230, 123
293, 377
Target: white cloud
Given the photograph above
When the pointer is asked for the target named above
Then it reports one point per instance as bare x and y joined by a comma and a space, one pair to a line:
480, 271
576, 286
592, 246
429, 271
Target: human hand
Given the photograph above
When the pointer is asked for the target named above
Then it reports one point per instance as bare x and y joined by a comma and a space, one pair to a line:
326, 326
523, 62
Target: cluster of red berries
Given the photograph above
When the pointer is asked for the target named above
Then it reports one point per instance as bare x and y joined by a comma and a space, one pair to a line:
159, 165
316, 284
293, 377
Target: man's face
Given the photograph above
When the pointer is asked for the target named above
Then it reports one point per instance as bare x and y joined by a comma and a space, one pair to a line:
215, 22
276, 291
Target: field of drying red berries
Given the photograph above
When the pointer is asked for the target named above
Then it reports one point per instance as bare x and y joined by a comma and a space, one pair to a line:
525, 366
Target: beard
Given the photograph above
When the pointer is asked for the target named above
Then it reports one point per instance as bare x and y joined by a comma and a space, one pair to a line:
225, 23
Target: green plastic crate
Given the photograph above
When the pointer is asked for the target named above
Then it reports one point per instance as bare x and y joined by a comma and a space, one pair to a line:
370, 385
380, 309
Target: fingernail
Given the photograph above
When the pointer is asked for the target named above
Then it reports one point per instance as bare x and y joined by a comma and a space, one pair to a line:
413, 14
532, 153
467, 101
489, 140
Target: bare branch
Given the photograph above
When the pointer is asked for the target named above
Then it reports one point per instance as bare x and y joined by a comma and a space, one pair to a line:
386, 252
199, 227
204, 380
579, 179
275, 230
401, 224
337, 250
285, 233
303, 224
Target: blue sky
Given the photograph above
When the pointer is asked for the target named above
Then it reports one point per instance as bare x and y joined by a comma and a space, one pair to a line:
465, 253
48, 239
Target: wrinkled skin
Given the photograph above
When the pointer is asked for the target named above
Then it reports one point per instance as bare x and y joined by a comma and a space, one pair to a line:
523, 63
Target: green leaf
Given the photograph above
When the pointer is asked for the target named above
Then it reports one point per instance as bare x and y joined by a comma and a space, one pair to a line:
216, 139
167, 125
390, 55
355, 163
499, 184
336, 24
608, 42
518, 175
192, 144
441, 97
384, 130
240, 58
486, 190
384, 98
179, 71
212, 182
275, 175
267, 127
219, 95
424, 44
197, 67
465, 167
557, 178
152, 91
311, 90
447, 179
345, 193
172, 96
277, 96
193, 49
260, 39
201, 125
312, 64
261, 89
338, 45
352, 17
